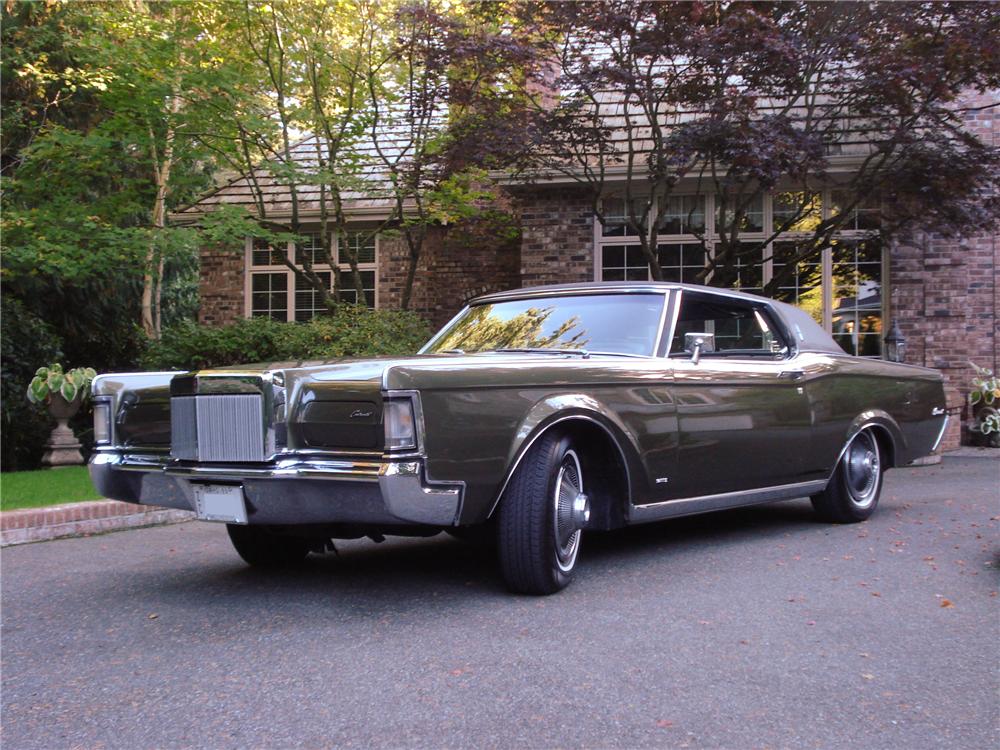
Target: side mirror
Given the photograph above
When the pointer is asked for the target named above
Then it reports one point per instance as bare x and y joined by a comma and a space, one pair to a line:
697, 344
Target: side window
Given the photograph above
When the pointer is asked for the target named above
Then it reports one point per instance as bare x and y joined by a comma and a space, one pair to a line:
739, 327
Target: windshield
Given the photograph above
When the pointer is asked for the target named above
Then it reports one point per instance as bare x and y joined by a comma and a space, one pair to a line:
596, 323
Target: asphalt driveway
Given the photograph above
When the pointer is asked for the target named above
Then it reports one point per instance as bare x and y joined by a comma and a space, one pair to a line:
751, 628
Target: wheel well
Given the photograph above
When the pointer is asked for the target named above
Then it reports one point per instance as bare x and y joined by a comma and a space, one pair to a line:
606, 479
886, 445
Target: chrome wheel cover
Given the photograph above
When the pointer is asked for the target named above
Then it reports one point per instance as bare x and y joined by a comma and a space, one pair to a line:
862, 467
566, 525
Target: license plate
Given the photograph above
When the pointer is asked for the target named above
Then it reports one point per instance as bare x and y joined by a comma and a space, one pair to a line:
220, 502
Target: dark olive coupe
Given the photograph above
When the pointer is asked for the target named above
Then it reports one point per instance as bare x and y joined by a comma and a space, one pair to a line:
533, 416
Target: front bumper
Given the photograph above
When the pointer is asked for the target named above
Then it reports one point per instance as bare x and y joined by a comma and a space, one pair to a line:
297, 490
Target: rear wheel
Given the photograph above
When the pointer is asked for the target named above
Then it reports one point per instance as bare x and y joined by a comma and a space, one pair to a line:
263, 548
854, 490
541, 518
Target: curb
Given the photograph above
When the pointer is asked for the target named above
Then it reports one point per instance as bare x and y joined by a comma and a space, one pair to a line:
81, 519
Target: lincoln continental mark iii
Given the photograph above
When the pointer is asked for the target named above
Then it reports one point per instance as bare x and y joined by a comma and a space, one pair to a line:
531, 417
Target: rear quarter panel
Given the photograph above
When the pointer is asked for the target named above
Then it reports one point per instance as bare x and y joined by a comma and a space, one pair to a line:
846, 393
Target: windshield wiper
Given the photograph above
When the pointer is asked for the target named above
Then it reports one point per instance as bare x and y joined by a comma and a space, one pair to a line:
543, 350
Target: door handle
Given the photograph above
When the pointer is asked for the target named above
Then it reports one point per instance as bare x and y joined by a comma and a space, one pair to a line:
791, 374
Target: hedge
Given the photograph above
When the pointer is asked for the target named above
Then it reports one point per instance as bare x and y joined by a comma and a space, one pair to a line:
349, 332
26, 343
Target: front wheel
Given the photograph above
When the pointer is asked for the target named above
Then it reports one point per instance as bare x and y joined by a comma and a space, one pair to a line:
541, 518
854, 489
263, 548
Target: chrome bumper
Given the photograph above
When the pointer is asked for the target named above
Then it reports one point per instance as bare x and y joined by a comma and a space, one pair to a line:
290, 490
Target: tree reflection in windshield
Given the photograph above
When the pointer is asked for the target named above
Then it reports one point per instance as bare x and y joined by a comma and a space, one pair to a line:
615, 323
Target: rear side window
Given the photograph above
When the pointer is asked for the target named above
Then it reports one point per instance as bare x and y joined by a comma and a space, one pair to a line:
739, 327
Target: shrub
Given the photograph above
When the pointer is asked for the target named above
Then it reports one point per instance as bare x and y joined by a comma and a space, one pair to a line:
25, 341
349, 332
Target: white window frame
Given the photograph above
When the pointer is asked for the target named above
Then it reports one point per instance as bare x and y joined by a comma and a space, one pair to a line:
250, 270
711, 237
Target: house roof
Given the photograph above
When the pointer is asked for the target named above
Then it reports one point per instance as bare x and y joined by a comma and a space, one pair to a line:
367, 192
371, 194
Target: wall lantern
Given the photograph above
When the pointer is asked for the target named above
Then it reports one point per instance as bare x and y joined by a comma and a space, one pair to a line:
895, 344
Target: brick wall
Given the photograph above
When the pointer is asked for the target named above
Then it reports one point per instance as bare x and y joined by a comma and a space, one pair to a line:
220, 287
945, 295
557, 236
452, 269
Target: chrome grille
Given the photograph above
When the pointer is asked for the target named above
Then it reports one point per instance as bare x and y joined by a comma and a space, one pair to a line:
226, 427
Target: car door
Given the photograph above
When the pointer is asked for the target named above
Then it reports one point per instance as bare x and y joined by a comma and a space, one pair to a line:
743, 415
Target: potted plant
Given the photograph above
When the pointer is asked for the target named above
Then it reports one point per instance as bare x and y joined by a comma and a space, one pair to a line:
984, 399
63, 393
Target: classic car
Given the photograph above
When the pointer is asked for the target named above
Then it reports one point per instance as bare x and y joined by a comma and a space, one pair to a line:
531, 417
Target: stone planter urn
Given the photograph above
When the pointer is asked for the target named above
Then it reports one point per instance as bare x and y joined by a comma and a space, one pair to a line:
63, 449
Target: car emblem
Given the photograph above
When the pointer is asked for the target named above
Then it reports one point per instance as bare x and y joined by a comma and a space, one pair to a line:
360, 414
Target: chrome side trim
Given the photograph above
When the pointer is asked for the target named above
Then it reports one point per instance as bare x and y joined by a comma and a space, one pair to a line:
527, 446
667, 299
940, 437
688, 506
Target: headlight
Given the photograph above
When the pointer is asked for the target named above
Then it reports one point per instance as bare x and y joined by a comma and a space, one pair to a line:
400, 424
102, 423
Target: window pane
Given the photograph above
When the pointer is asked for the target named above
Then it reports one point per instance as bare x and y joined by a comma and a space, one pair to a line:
803, 210
682, 214
269, 295
800, 283
350, 295
623, 263
623, 323
752, 219
361, 243
749, 263
616, 219
865, 216
737, 326
857, 296
264, 254
311, 248
682, 262
308, 302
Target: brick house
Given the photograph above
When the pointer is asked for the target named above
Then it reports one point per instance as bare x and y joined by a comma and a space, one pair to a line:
943, 293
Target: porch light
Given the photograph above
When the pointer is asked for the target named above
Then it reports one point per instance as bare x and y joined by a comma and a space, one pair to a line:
895, 344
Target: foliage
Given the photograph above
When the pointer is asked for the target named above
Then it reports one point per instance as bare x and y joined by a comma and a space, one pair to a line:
739, 99
52, 379
351, 331
25, 339
986, 391
93, 158
35, 489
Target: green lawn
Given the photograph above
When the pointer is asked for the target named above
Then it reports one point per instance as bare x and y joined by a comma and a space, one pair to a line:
32, 489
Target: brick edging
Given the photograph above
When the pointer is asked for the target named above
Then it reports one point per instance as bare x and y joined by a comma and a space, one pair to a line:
81, 519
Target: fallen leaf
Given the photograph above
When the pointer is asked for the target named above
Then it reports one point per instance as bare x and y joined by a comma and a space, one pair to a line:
664, 724
153, 616
875, 593
810, 622
868, 676
946, 604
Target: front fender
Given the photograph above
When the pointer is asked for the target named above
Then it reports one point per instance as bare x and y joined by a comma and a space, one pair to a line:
563, 408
